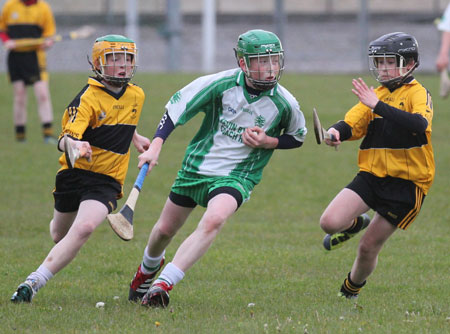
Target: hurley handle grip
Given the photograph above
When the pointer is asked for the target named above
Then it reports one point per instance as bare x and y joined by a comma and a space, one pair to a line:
141, 176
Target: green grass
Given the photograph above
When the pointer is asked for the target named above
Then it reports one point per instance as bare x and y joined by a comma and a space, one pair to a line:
269, 253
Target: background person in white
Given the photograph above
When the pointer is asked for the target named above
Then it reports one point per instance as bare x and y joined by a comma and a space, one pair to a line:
247, 115
444, 26
443, 57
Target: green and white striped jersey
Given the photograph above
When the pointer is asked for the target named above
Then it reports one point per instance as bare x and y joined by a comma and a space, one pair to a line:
217, 149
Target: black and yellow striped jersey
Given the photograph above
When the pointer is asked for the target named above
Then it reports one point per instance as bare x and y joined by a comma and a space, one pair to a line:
108, 122
21, 21
389, 148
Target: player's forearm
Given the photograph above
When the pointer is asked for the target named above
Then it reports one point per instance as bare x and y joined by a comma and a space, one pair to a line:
286, 142
270, 143
412, 122
445, 43
155, 147
165, 127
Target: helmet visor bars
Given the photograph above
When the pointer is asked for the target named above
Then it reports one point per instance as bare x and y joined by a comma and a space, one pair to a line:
264, 70
118, 65
386, 67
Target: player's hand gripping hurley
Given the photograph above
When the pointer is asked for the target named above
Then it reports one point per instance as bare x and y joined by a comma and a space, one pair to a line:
122, 222
319, 131
72, 153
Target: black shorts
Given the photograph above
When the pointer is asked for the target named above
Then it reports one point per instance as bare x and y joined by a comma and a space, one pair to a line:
397, 200
24, 66
188, 202
72, 186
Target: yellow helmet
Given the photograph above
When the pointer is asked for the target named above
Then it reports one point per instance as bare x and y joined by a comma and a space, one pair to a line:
113, 44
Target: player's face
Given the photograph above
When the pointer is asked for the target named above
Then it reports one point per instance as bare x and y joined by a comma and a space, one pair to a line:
387, 67
265, 67
119, 65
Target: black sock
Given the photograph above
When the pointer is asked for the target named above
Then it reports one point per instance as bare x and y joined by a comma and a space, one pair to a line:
20, 132
47, 129
356, 226
350, 288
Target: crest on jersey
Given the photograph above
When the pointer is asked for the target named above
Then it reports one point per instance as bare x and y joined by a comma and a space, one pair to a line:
260, 121
102, 115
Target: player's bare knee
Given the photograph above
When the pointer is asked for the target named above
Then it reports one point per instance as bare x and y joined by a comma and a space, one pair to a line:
42, 98
85, 229
56, 237
213, 222
54, 234
327, 223
20, 100
367, 249
165, 231
20, 93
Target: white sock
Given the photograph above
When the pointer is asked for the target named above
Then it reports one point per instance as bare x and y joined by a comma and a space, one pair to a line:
171, 274
41, 276
150, 264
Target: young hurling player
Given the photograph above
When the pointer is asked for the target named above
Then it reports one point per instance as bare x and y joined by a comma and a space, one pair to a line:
28, 19
247, 115
396, 162
101, 121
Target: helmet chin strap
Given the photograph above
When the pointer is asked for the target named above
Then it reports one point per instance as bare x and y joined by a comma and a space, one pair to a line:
29, 2
262, 85
104, 78
114, 83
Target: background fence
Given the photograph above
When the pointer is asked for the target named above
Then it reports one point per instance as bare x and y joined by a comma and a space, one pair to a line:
318, 36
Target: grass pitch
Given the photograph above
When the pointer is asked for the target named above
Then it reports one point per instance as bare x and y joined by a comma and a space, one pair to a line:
267, 271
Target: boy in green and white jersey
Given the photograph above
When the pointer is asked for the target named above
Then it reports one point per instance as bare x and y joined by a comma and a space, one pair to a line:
247, 115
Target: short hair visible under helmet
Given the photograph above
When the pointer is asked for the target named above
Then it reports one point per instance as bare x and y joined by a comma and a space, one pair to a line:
399, 44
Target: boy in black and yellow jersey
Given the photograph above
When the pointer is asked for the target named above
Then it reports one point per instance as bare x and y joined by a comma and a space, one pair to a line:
396, 162
101, 123
22, 20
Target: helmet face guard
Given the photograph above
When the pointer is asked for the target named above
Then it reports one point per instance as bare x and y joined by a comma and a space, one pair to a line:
389, 58
382, 67
273, 68
263, 58
111, 53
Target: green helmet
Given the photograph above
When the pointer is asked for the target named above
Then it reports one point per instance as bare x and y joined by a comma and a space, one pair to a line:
258, 44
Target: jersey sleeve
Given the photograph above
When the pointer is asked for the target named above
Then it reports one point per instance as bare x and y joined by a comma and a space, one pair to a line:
358, 118
295, 124
422, 104
444, 24
4, 18
49, 26
76, 118
165, 127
